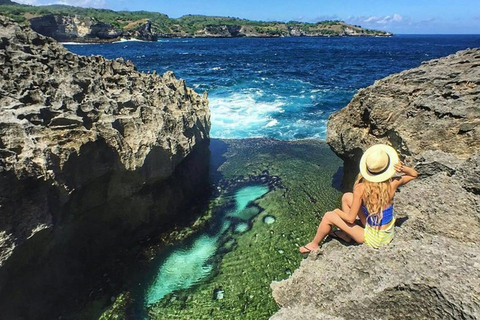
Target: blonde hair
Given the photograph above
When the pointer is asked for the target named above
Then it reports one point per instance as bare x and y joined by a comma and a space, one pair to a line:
376, 196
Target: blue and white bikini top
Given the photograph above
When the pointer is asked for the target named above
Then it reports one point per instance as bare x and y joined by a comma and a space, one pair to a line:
387, 216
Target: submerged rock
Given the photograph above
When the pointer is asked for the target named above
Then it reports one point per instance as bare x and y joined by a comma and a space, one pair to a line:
88, 151
241, 227
218, 293
431, 269
268, 219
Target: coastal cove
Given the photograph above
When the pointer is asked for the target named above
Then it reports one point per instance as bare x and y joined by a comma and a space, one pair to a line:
153, 195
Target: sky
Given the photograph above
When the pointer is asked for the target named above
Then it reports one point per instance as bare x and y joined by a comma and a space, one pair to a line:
397, 16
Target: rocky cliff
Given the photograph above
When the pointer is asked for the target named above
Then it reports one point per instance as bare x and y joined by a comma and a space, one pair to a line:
92, 159
338, 29
430, 114
76, 28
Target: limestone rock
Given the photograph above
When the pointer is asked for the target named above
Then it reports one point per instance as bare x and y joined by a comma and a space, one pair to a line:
433, 107
431, 269
74, 28
57, 108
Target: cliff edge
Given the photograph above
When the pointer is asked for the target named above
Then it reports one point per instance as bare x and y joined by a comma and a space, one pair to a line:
430, 115
87, 148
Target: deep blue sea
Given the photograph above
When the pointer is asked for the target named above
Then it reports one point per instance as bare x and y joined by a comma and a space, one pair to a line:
282, 88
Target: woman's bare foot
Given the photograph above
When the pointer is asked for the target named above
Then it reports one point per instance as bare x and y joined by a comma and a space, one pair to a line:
309, 247
340, 234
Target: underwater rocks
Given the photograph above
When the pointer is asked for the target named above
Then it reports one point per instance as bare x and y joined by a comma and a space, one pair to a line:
272, 181
431, 269
88, 151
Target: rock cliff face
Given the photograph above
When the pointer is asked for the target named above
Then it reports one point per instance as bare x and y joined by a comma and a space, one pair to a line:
433, 107
77, 28
73, 28
430, 114
279, 30
92, 159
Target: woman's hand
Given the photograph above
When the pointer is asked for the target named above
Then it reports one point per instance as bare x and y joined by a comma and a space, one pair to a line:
409, 173
399, 167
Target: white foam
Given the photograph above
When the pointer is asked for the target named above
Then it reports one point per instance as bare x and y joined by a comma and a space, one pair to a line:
272, 123
130, 40
77, 43
242, 114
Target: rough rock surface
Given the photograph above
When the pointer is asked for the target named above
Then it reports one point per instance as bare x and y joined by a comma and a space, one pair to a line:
433, 107
76, 135
54, 102
430, 114
78, 28
73, 28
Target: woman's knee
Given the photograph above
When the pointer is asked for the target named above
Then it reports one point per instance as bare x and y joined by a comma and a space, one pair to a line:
327, 217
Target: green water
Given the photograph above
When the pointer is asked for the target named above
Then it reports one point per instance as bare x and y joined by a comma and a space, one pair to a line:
259, 244
187, 266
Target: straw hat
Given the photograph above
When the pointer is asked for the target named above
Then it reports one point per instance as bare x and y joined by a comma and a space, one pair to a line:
377, 163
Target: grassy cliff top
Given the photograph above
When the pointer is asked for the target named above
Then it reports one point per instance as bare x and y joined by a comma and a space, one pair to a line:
186, 25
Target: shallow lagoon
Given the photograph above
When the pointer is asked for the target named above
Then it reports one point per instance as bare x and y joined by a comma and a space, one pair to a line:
228, 263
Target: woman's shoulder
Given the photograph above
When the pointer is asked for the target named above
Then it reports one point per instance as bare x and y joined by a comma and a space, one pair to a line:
358, 188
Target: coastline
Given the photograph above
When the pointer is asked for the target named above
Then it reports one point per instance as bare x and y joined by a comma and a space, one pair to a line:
163, 38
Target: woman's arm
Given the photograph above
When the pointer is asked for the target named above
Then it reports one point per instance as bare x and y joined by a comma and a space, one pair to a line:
351, 215
410, 174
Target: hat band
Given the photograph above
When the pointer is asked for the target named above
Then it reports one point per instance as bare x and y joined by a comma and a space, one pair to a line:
381, 171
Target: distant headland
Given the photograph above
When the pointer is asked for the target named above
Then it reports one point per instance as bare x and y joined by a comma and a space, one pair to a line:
75, 24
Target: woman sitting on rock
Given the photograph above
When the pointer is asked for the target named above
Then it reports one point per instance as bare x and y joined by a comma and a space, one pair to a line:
373, 193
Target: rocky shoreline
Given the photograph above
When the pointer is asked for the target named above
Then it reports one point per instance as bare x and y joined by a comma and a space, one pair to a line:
87, 30
431, 270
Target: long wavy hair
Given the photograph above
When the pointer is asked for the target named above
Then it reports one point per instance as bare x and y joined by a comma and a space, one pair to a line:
376, 196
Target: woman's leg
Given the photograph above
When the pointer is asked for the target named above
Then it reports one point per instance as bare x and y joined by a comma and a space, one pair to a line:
347, 200
330, 219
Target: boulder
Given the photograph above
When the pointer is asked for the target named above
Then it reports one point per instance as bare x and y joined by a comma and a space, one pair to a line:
431, 269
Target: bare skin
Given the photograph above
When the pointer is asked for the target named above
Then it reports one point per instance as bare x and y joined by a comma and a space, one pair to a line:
344, 219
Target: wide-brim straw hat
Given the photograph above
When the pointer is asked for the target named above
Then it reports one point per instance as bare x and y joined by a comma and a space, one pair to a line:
377, 163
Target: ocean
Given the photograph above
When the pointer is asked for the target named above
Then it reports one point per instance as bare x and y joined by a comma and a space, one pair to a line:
283, 88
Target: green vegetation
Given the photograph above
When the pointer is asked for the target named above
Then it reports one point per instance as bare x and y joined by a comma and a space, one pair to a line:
265, 253
189, 25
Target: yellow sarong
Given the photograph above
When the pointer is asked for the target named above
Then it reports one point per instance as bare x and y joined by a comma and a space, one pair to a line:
376, 238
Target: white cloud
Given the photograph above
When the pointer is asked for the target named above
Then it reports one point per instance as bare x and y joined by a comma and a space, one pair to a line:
31, 2
397, 18
76, 3
382, 20
325, 18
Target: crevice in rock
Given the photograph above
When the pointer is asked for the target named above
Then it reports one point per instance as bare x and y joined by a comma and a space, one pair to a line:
415, 301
